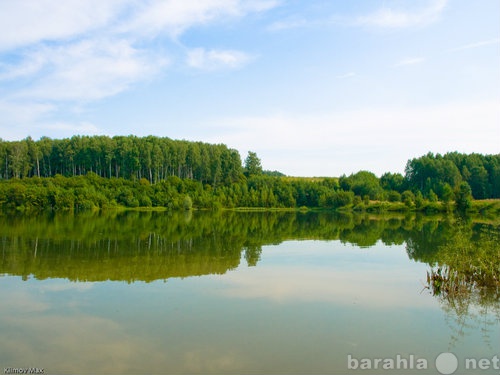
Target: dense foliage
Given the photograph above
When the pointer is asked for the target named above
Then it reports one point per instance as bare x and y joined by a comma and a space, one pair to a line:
86, 172
439, 173
129, 157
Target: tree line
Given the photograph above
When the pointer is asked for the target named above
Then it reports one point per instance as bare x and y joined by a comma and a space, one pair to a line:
86, 172
129, 157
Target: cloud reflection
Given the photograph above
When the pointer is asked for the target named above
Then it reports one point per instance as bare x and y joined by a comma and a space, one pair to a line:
343, 282
42, 326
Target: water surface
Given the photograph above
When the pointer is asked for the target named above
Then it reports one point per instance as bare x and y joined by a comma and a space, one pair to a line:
231, 293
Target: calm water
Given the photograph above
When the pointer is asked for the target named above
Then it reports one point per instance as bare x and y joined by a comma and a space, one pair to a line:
245, 293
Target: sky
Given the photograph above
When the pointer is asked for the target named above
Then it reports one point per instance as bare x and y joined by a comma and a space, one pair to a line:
315, 88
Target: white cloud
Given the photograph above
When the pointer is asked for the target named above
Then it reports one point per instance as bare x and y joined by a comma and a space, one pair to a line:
35, 21
290, 23
200, 58
23, 117
382, 18
31, 63
21, 112
379, 140
409, 61
78, 128
85, 50
175, 16
32, 21
392, 18
346, 75
86, 70
476, 45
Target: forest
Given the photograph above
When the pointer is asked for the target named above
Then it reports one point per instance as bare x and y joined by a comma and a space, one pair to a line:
93, 172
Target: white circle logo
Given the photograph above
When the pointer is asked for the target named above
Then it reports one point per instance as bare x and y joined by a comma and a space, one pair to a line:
446, 363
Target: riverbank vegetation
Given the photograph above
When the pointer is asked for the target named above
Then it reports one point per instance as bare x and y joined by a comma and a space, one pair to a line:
95, 172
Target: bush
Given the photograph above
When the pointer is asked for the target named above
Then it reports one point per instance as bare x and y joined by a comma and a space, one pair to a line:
187, 203
64, 199
432, 196
394, 196
419, 200
408, 198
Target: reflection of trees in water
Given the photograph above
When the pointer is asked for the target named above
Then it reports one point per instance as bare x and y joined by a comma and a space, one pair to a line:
145, 246
425, 237
466, 280
158, 245
469, 313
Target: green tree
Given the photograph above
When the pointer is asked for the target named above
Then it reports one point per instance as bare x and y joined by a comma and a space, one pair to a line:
392, 181
432, 196
479, 182
365, 183
253, 165
19, 159
464, 197
447, 194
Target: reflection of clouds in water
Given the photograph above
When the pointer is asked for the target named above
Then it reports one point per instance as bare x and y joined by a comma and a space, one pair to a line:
68, 344
209, 360
92, 344
31, 296
20, 301
371, 288
48, 321
38, 331
65, 285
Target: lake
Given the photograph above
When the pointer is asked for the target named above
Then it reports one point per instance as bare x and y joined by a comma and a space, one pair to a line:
246, 293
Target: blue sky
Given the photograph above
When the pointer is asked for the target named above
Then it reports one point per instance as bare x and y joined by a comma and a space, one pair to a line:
316, 88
